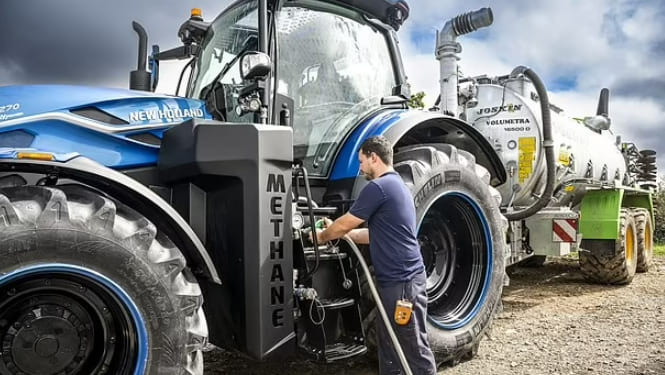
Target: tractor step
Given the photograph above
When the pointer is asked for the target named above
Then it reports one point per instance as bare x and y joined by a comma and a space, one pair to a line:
339, 351
309, 255
337, 303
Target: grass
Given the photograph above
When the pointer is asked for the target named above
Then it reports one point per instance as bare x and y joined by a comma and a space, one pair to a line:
659, 250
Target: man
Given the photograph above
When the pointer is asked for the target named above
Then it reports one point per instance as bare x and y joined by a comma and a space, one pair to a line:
387, 205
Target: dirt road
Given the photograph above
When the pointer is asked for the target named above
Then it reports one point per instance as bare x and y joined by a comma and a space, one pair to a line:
553, 323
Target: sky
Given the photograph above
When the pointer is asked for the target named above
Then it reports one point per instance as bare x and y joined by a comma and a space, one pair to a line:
576, 47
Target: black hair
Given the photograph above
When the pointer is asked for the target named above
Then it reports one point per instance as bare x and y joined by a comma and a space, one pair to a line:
380, 146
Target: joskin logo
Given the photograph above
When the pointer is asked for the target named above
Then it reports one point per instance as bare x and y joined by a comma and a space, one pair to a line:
167, 114
504, 108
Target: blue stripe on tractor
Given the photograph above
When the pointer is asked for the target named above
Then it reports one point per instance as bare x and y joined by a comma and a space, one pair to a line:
346, 164
36, 99
114, 151
128, 303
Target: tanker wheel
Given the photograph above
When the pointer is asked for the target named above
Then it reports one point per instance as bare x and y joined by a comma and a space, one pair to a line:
618, 268
461, 233
644, 239
89, 286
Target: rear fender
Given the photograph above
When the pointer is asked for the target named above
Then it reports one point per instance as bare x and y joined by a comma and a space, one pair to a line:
403, 128
131, 193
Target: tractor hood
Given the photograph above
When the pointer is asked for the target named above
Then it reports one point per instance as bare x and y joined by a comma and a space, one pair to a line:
114, 107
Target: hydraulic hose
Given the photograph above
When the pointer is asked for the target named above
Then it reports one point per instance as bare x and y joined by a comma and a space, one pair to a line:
548, 144
379, 306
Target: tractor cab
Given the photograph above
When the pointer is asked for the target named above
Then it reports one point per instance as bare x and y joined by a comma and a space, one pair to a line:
326, 65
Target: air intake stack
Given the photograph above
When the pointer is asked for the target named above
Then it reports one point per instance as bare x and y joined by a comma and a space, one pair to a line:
447, 49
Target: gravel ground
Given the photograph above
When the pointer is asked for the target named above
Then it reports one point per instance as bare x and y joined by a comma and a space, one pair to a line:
553, 323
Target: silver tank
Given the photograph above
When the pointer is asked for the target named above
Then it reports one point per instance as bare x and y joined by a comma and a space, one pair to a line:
509, 116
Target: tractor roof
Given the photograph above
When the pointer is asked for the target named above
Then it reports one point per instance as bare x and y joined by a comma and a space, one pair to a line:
391, 12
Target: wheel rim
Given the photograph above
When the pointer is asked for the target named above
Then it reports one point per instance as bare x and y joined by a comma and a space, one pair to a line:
648, 240
64, 319
630, 245
457, 249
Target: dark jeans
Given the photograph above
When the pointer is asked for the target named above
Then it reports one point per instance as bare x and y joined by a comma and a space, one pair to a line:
412, 336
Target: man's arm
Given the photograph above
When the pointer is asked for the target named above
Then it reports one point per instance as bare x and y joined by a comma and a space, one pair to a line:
339, 228
360, 236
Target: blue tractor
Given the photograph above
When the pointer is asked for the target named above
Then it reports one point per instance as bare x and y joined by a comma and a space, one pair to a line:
136, 228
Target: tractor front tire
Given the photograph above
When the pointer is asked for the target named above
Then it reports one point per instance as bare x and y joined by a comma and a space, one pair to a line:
619, 268
462, 237
89, 286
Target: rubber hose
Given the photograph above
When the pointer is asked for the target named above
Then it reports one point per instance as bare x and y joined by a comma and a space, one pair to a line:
548, 144
379, 306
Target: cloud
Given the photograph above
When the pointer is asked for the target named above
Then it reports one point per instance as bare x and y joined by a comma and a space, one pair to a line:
84, 42
576, 47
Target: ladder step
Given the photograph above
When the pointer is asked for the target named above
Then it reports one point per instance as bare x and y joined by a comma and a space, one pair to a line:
339, 351
310, 249
337, 303
309, 255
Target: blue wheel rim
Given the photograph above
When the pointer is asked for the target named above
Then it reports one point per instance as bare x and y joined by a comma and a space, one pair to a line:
112, 287
482, 256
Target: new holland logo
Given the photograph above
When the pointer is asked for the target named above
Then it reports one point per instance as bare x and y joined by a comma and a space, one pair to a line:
167, 114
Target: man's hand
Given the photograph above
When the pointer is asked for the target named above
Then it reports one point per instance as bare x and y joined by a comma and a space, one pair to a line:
338, 228
323, 224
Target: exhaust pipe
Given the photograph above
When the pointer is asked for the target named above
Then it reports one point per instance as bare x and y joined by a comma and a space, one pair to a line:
139, 79
447, 49
603, 103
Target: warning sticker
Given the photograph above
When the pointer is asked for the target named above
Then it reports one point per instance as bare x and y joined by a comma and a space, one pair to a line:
527, 155
564, 156
564, 230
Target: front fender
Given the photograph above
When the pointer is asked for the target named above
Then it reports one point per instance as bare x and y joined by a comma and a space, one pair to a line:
131, 193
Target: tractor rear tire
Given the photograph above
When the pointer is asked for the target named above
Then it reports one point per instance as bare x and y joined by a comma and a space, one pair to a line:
618, 268
644, 229
462, 236
90, 286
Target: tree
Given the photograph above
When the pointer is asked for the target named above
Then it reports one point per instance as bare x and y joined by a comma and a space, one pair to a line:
416, 100
659, 215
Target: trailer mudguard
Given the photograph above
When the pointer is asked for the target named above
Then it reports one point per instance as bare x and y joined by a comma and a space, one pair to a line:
599, 211
131, 193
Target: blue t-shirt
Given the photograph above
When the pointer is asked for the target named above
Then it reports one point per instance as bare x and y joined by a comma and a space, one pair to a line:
387, 206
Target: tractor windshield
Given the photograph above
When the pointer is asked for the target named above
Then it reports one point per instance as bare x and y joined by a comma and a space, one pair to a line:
234, 32
336, 67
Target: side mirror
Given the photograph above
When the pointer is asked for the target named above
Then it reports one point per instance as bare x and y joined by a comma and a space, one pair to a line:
254, 65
